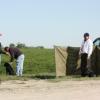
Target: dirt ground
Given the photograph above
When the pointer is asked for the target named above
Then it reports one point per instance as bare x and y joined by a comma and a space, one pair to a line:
44, 90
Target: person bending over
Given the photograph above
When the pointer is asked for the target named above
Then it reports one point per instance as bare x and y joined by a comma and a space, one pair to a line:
15, 53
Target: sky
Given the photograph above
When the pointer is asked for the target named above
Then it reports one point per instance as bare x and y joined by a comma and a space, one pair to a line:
48, 22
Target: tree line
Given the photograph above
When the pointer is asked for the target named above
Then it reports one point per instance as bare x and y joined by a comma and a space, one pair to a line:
22, 45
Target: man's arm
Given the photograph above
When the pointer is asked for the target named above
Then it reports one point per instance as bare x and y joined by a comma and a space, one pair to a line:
90, 49
11, 55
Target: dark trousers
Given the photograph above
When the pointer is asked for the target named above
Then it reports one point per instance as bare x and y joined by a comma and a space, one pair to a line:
84, 64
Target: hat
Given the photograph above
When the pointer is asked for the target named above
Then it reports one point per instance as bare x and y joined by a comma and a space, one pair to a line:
86, 34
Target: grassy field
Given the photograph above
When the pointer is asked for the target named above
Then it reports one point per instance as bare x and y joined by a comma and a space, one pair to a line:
39, 64
37, 61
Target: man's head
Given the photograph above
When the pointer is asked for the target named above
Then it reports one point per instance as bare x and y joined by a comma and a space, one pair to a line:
6, 49
86, 36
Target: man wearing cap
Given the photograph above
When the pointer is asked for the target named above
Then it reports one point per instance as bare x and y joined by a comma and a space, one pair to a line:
15, 53
86, 52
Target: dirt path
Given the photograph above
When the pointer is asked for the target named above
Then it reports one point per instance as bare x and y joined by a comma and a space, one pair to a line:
43, 90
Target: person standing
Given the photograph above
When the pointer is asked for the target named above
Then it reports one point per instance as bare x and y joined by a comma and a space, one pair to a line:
86, 52
15, 53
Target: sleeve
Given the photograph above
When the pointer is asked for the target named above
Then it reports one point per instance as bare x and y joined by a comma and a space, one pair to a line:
90, 49
12, 56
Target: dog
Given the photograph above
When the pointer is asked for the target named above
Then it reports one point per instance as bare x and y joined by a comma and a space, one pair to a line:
9, 69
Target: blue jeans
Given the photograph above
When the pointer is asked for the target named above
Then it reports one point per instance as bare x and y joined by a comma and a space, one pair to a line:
20, 63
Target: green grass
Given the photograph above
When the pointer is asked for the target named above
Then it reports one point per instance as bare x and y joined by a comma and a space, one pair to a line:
39, 64
37, 61
48, 78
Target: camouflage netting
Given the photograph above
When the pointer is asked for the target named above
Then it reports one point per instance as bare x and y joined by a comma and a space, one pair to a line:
68, 62
95, 61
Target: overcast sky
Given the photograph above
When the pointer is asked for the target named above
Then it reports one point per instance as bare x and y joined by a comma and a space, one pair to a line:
48, 22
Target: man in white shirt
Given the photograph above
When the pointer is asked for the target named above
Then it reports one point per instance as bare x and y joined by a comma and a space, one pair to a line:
86, 52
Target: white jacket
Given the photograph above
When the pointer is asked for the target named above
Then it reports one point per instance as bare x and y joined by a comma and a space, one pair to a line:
87, 47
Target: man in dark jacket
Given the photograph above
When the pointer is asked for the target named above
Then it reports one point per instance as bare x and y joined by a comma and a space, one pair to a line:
15, 53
